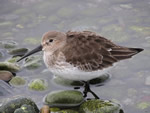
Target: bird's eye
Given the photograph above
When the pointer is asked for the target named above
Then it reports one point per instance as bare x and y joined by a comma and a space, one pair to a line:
51, 40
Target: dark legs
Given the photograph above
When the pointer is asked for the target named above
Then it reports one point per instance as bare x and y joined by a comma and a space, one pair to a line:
87, 89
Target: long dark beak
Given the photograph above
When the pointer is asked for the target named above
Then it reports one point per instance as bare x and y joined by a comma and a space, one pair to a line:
37, 49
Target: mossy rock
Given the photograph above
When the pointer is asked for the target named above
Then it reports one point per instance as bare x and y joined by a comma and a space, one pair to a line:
9, 44
99, 106
68, 111
67, 82
25, 109
17, 81
33, 62
38, 85
11, 105
18, 52
143, 105
9, 66
64, 99
14, 59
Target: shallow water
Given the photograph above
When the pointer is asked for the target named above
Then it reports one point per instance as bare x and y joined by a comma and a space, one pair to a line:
125, 22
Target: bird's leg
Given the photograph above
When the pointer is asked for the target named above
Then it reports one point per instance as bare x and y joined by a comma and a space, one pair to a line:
87, 89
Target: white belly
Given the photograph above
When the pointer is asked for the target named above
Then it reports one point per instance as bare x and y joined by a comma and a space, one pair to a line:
76, 74
68, 71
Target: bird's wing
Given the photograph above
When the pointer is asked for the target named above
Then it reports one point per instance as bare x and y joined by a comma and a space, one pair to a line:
89, 51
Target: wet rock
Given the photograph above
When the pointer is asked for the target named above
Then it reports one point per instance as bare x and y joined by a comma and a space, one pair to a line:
9, 66
55, 109
5, 75
100, 80
14, 59
143, 105
25, 109
12, 104
17, 81
9, 44
66, 82
64, 99
147, 81
38, 85
68, 111
18, 52
33, 62
45, 109
99, 106
6, 24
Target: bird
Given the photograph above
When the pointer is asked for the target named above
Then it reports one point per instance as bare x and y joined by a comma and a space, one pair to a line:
80, 55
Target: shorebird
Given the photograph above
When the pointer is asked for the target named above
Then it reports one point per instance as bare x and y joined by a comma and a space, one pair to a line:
80, 55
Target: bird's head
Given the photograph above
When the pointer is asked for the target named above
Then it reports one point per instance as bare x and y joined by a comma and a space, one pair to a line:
51, 41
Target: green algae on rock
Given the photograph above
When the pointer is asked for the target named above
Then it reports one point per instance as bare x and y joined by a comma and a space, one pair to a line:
18, 52
143, 105
5, 75
67, 111
38, 85
12, 104
64, 99
25, 109
33, 62
9, 44
17, 81
99, 106
9, 66
14, 59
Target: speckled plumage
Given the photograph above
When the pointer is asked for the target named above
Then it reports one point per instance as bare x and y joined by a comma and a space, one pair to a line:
82, 55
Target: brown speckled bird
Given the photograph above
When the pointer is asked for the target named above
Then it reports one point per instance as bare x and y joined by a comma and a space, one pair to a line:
80, 55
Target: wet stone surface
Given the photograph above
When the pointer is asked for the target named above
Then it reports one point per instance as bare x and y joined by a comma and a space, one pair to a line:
12, 104
38, 85
9, 66
18, 52
62, 99
5, 75
99, 106
17, 81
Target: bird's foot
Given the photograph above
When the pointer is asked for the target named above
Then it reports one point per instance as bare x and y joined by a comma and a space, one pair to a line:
87, 89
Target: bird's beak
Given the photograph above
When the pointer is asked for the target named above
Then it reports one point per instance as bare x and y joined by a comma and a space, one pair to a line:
37, 49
